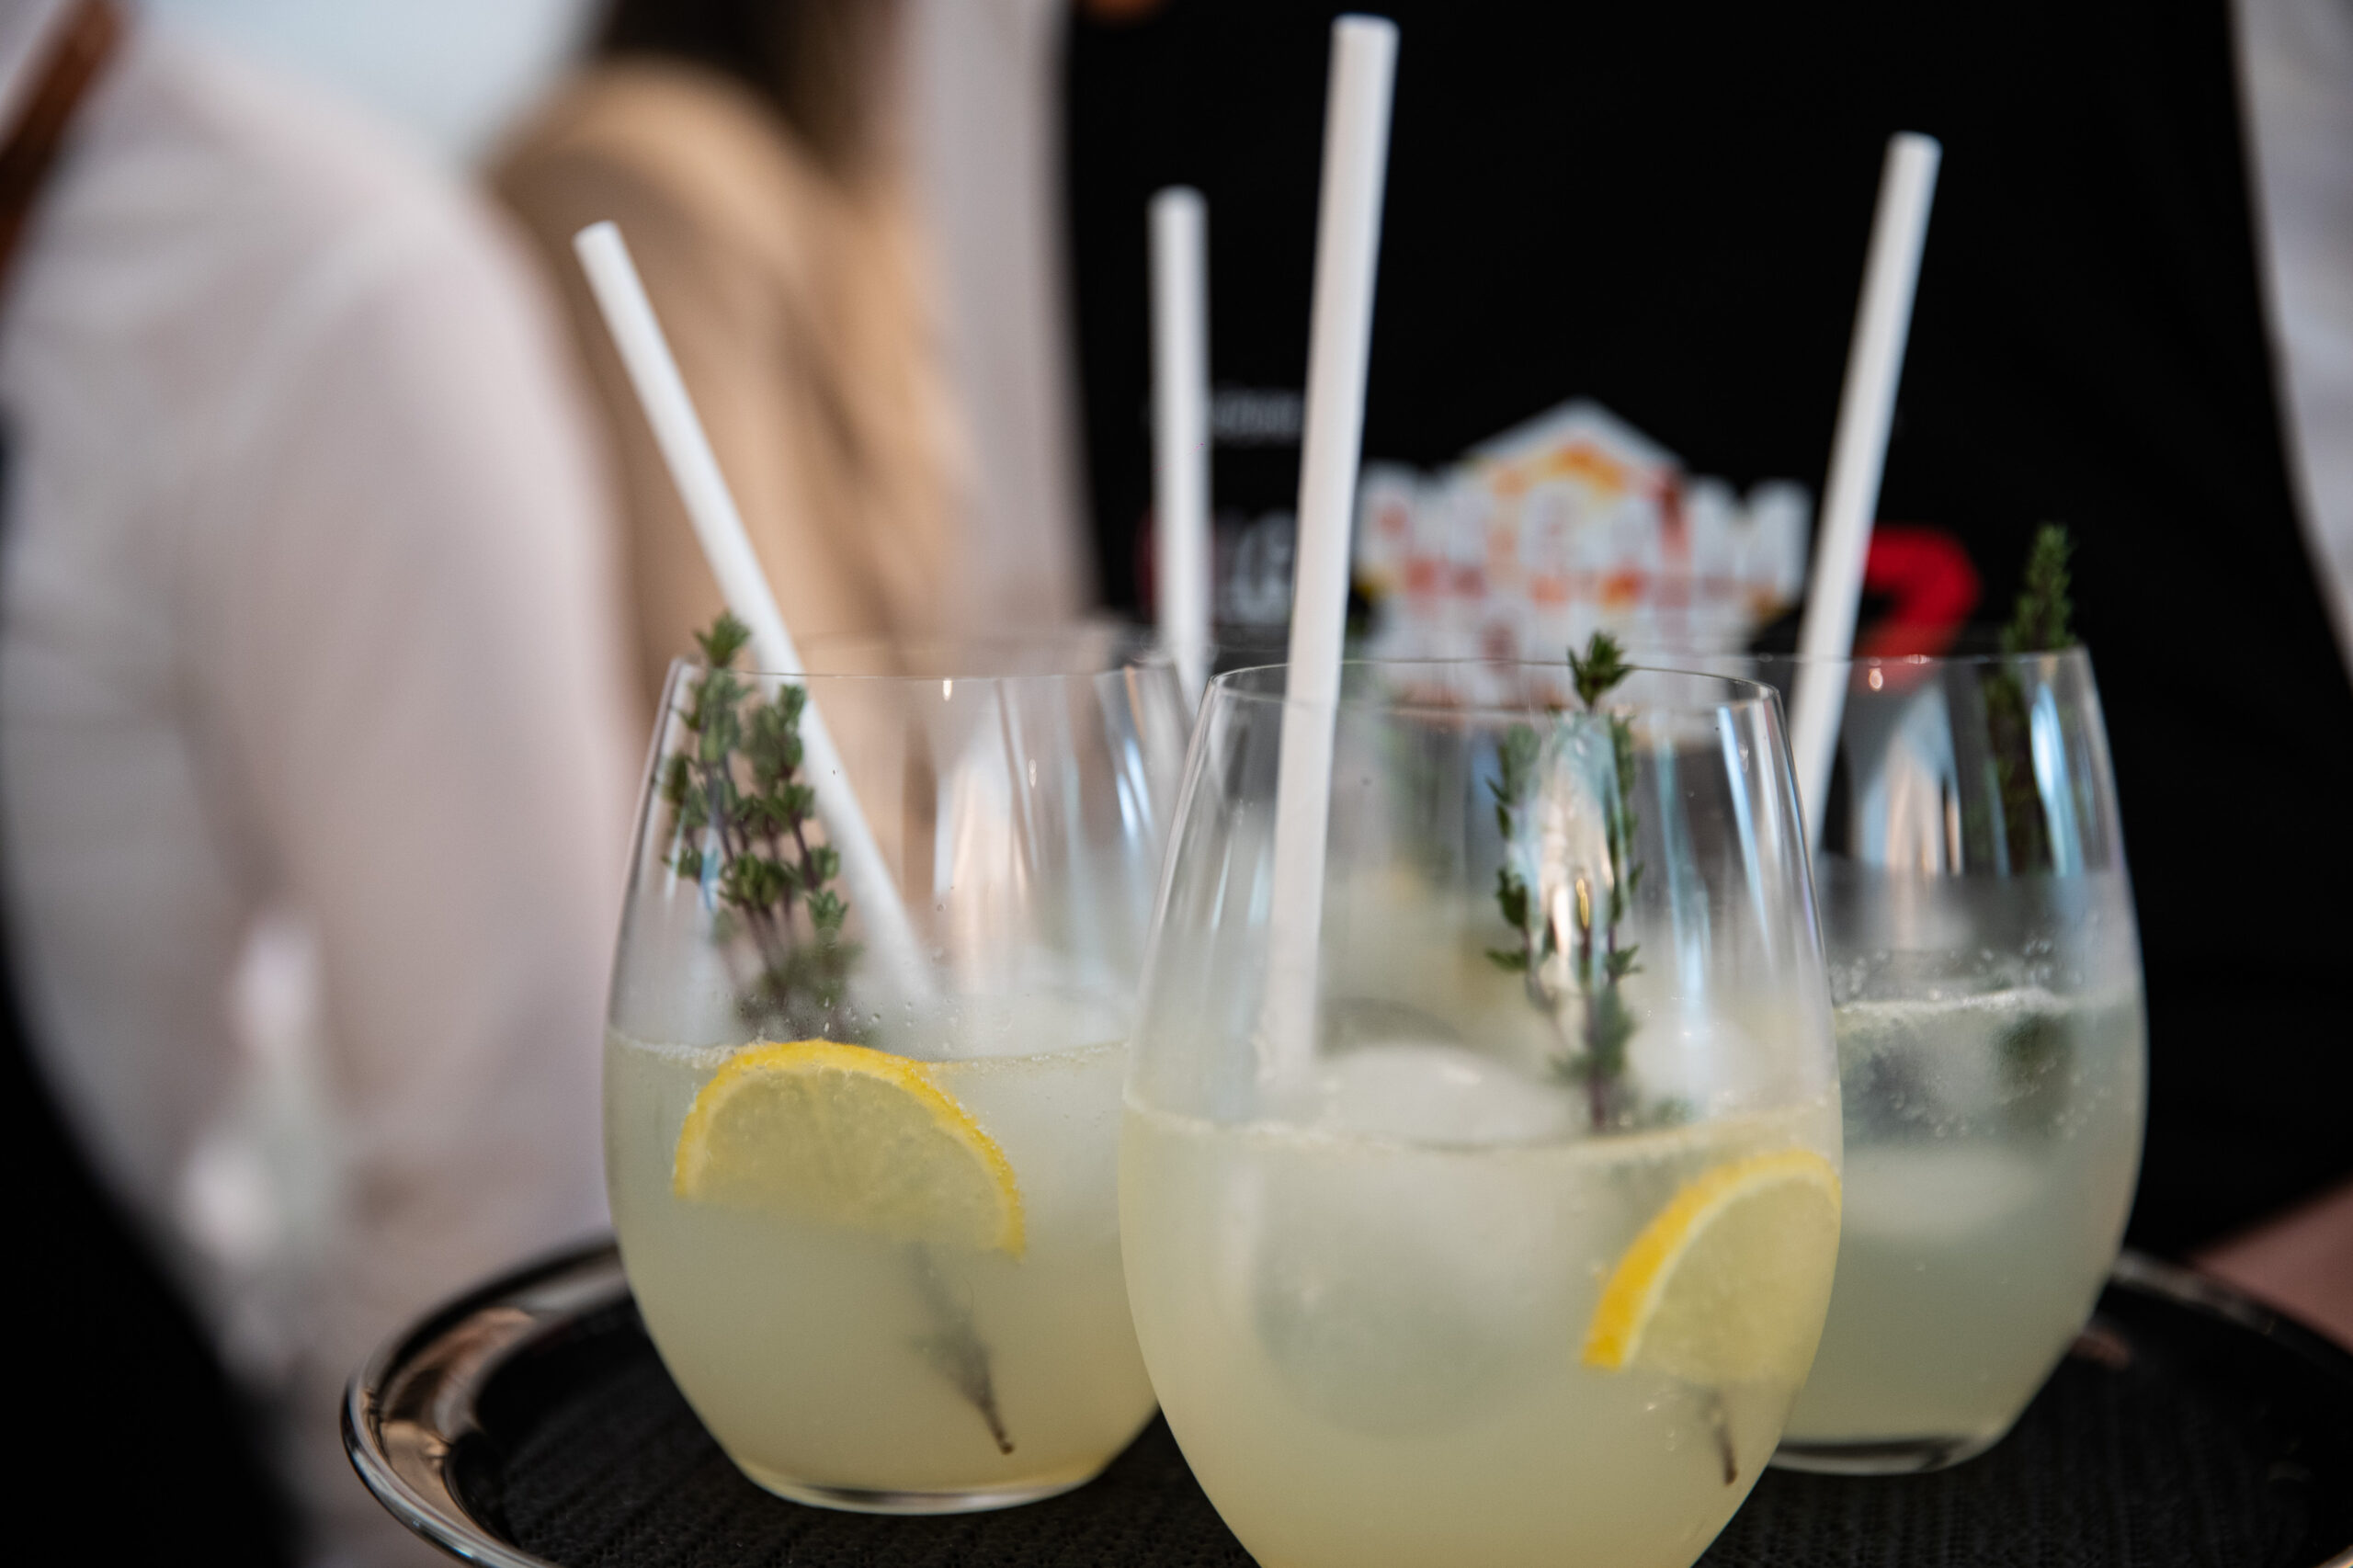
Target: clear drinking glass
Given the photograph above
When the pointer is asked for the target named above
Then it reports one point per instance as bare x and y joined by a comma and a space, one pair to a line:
1494, 1262
865, 1192
1986, 973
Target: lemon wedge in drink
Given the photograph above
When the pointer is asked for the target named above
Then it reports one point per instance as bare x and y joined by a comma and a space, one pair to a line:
1729, 1282
848, 1136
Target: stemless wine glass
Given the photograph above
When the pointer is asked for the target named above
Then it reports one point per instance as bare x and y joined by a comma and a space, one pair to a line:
1986, 972
865, 1191
1520, 1253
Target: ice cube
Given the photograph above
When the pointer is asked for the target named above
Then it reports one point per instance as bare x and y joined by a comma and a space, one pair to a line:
1401, 1252
1440, 1095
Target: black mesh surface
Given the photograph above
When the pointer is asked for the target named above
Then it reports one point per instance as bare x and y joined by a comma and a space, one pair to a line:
2180, 1439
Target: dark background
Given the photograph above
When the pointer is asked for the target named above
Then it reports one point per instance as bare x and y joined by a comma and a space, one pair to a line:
1667, 210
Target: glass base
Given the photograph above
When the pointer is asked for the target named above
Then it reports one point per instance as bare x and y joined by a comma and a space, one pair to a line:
964, 1500
1885, 1456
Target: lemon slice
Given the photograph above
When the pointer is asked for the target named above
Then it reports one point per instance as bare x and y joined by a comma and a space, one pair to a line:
1728, 1282
847, 1136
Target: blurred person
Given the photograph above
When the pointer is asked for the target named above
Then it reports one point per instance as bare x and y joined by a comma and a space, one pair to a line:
2295, 65
306, 607
747, 150
2295, 59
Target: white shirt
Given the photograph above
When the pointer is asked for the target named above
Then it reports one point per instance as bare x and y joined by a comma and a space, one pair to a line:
305, 604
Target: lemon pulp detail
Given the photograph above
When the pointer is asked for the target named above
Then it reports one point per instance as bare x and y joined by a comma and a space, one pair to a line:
849, 1136
1727, 1283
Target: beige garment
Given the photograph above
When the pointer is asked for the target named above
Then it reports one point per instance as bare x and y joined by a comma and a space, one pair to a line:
796, 305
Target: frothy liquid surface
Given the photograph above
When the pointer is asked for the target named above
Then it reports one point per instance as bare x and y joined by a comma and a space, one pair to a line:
1369, 1346
815, 1354
1991, 1147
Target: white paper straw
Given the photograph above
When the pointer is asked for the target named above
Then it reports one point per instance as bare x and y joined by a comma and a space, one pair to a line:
694, 468
1348, 238
1858, 455
1180, 435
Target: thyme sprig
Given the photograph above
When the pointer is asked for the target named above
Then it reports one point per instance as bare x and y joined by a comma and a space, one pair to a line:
1599, 960
2038, 623
954, 1349
742, 823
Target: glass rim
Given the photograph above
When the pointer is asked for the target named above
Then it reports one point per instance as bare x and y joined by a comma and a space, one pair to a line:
2073, 650
1742, 693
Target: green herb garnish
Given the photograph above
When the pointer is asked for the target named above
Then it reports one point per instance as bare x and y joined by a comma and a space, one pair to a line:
741, 818
2038, 623
1598, 961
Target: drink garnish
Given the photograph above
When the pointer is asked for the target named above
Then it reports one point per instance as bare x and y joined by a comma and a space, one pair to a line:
744, 825
2039, 618
2038, 624
1598, 961
1724, 1285
837, 1132
848, 1136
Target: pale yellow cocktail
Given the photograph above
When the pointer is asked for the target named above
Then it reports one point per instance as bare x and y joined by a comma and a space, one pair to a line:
1571, 1350
943, 1324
